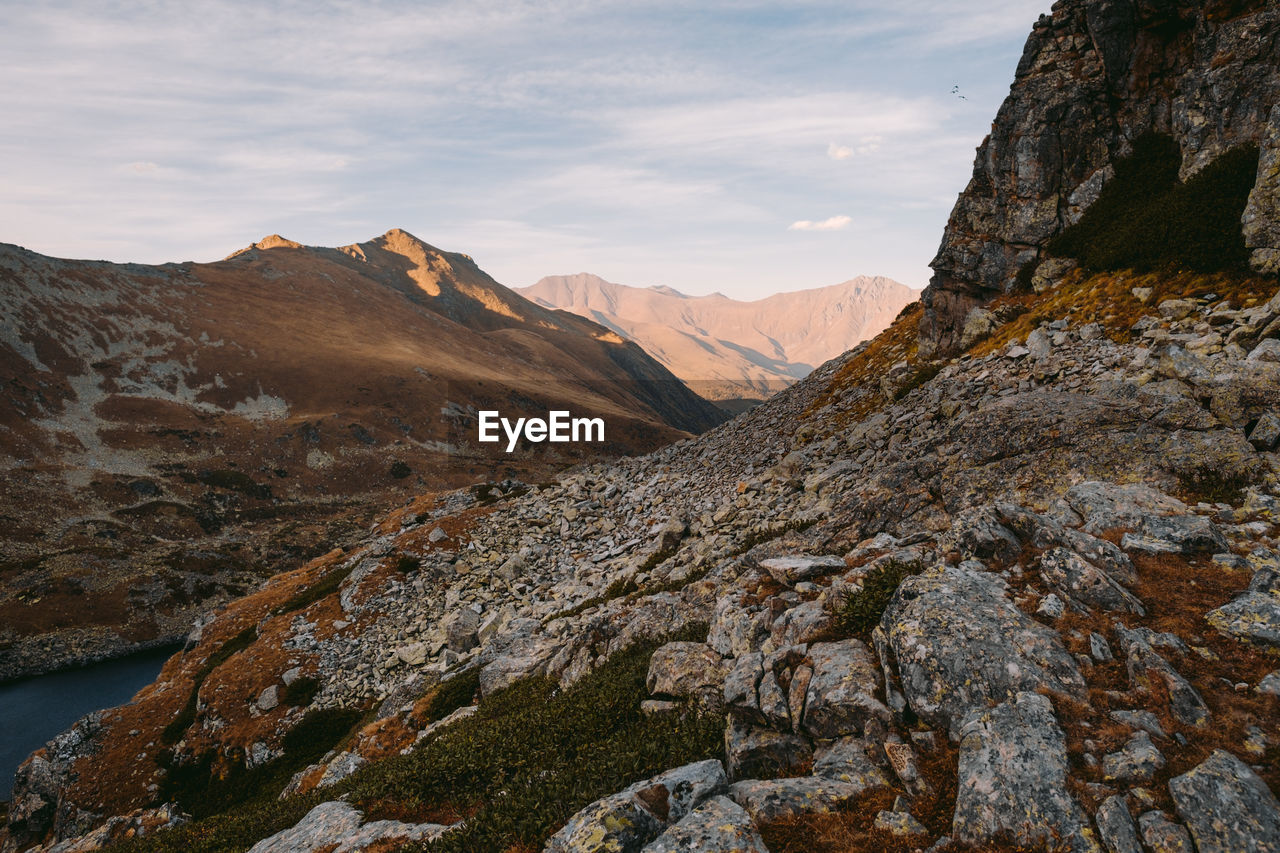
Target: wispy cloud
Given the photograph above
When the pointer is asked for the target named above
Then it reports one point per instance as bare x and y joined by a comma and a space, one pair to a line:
869, 145
834, 223
655, 131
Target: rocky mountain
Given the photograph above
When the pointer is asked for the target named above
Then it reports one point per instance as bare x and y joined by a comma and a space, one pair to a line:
172, 434
727, 349
1023, 596
1094, 78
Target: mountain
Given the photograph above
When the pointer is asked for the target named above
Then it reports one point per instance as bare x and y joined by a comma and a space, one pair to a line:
724, 348
1094, 80
173, 433
1021, 596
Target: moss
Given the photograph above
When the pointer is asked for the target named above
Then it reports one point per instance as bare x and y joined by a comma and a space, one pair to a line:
858, 612
1145, 219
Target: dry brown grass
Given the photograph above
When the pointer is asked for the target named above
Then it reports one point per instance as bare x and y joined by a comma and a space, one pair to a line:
897, 343
851, 829
1107, 298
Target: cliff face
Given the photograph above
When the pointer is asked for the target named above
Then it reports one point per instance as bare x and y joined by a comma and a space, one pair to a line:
1095, 76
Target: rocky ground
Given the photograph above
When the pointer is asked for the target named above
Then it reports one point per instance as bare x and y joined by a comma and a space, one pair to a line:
1028, 598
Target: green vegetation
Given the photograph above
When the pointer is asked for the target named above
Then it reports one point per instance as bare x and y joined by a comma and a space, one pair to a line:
178, 725
859, 612
531, 757
322, 588
202, 791
1145, 219
452, 694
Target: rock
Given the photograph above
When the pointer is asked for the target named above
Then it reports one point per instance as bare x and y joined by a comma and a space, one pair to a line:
669, 536
1013, 774
269, 698
437, 534
1143, 720
1137, 762
1267, 350
740, 688
1079, 579
790, 570
737, 628
717, 826
688, 670
900, 824
841, 694
1051, 607
1116, 827
1107, 506
1227, 807
1251, 616
636, 815
1038, 345
800, 625
774, 799
1099, 648
1266, 433
334, 827
1176, 534
1152, 674
1270, 684
978, 324
960, 644
845, 760
1162, 835
526, 656
753, 753
461, 629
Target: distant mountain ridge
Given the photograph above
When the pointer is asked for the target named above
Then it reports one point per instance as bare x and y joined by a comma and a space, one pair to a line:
725, 348
155, 418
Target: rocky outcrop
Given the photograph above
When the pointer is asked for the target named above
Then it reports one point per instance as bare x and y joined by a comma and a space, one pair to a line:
1095, 76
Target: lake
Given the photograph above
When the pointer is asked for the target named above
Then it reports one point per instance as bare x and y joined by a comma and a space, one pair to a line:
34, 710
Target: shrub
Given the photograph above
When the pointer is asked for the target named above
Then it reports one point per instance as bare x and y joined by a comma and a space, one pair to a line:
531, 756
300, 693
235, 481
452, 694
399, 470
1144, 219
859, 611
203, 792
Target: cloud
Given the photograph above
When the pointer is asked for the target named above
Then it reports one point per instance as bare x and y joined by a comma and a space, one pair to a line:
835, 223
868, 145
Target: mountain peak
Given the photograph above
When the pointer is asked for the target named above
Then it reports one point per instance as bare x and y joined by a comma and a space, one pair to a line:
271, 241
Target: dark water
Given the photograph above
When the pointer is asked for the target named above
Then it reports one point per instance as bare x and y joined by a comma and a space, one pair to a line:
33, 710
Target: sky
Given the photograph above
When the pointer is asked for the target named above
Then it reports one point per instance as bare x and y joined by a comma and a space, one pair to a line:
740, 147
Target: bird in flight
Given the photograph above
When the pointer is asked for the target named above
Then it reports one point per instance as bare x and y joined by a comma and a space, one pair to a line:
955, 90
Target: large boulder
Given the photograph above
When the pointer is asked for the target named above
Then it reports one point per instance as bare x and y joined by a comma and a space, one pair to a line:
687, 670
960, 645
841, 693
717, 826
631, 818
1012, 779
1227, 807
